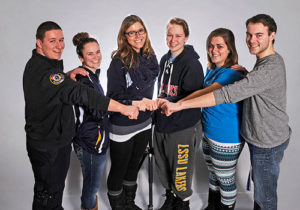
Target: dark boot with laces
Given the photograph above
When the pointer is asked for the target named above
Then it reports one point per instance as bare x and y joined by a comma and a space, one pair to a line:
169, 202
181, 205
256, 206
214, 200
129, 197
116, 201
227, 207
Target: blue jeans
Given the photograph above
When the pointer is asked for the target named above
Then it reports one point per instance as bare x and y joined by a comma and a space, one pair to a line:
92, 166
265, 171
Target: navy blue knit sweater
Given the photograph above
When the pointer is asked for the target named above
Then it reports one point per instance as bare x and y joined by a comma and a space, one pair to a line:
126, 85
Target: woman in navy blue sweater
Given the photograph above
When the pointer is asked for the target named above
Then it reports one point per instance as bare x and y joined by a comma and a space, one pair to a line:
131, 77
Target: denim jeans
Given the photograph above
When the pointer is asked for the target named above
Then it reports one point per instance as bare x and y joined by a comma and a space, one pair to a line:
265, 171
92, 166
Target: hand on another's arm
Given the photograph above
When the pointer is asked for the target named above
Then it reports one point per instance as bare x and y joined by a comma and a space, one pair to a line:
240, 68
72, 73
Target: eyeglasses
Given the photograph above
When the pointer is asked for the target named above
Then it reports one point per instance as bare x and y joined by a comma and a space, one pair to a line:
134, 33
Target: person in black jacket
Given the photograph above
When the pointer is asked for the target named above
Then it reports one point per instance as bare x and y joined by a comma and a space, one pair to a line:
49, 96
91, 141
131, 77
177, 137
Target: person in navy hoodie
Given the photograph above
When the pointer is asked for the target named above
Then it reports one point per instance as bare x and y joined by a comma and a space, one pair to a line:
131, 77
91, 140
177, 137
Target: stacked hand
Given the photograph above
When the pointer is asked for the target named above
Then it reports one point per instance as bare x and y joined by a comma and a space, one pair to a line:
166, 107
151, 105
169, 108
131, 111
145, 104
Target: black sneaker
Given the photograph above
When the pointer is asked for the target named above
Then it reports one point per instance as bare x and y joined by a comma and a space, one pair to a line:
169, 202
181, 205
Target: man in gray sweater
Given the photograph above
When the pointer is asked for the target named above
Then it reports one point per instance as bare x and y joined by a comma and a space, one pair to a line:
264, 124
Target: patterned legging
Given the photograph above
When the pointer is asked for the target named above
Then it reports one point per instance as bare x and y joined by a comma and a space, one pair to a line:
221, 160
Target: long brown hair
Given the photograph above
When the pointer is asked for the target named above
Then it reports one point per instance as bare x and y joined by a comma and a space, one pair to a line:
125, 52
228, 37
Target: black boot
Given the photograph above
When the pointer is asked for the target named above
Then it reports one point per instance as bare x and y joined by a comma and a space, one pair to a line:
116, 201
226, 207
214, 200
256, 206
129, 197
181, 205
169, 202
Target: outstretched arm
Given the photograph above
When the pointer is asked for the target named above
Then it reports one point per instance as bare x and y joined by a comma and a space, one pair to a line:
190, 101
206, 100
131, 111
204, 91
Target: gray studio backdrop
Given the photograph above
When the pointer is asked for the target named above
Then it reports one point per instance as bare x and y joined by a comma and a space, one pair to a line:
102, 19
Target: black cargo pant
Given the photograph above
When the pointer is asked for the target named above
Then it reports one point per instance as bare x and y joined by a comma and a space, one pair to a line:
50, 167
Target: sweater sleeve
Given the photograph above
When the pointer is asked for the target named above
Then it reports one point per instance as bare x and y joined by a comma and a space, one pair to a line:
116, 82
260, 79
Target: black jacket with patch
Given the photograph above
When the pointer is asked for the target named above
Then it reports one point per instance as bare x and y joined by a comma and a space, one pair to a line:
49, 96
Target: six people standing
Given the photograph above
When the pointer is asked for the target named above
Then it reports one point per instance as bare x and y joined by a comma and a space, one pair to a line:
131, 77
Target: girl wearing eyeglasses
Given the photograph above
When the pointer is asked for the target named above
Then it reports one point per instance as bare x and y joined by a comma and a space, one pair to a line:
131, 77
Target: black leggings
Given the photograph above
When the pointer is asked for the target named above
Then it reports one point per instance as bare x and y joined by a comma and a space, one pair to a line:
125, 159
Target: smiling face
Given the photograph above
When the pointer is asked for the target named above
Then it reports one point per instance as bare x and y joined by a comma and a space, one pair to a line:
137, 41
91, 56
52, 45
176, 38
259, 41
218, 51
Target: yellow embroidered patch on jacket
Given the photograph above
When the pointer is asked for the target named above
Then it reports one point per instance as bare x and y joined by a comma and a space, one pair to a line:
57, 79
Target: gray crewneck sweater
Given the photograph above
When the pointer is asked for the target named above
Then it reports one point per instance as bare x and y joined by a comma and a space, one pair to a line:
264, 121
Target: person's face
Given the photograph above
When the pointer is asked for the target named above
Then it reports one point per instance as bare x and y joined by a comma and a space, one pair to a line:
91, 56
176, 39
136, 36
218, 51
258, 40
52, 45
